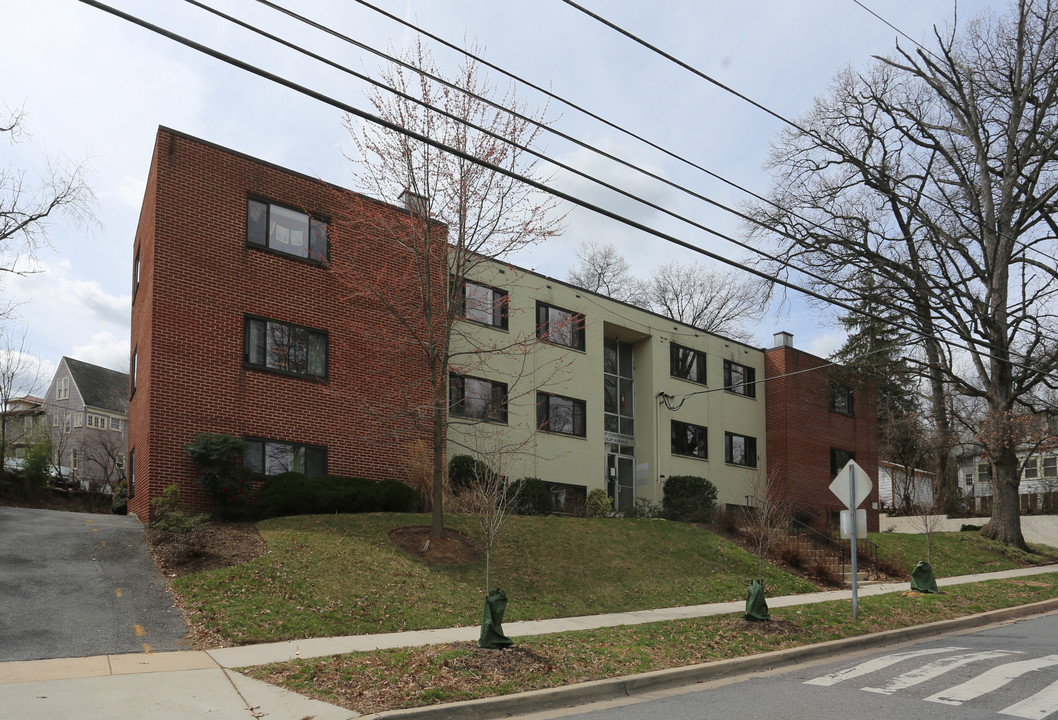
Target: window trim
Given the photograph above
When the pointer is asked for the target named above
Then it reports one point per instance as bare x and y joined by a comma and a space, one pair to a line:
136, 275
578, 323
1034, 463
293, 445
1049, 467
247, 363
704, 433
543, 414
748, 386
836, 389
699, 362
752, 460
312, 217
62, 390
132, 371
500, 300
458, 380
131, 474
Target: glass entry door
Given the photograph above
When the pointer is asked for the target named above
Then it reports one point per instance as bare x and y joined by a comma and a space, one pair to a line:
620, 481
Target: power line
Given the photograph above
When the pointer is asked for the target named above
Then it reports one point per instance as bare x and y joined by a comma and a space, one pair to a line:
503, 171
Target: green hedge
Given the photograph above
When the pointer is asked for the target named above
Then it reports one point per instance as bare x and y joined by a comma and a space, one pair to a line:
689, 498
294, 494
533, 497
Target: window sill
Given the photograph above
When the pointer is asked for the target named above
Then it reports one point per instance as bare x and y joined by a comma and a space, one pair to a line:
688, 457
699, 383
738, 394
556, 433
322, 264
738, 465
478, 323
468, 420
317, 380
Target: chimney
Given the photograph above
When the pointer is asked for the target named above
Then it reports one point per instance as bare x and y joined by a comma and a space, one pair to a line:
784, 339
413, 202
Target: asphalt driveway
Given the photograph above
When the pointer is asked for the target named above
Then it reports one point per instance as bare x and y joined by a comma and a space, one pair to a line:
77, 584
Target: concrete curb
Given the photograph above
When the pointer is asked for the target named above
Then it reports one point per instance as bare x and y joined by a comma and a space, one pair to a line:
619, 687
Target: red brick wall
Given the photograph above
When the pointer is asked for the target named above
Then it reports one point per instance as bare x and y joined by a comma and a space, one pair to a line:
199, 278
802, 429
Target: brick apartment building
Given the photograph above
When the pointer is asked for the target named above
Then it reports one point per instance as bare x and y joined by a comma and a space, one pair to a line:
253, 314
817, 420
250, 317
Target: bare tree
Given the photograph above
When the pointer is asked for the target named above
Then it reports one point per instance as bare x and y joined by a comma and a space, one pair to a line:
488, 214
763, 519
600, 268
936, 170
28, 205
20, 376
708, 298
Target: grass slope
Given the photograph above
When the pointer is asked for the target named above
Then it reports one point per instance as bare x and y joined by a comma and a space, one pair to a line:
957, 553
341, 575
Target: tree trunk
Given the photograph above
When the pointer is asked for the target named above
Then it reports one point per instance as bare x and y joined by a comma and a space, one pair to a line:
1005, 525
437, 523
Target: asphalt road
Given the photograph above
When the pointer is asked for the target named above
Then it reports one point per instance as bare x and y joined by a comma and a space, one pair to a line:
1008, 670
77, 584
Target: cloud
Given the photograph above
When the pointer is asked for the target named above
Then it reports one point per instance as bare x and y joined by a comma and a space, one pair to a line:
826, 344
105, 349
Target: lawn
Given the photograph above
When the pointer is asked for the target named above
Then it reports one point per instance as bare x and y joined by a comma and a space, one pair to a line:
957, 553
414, 677
341, 575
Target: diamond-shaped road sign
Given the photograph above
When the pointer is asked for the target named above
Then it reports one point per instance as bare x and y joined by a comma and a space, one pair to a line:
862, 484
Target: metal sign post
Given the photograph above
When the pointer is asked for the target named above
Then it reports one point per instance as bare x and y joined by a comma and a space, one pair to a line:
853, 502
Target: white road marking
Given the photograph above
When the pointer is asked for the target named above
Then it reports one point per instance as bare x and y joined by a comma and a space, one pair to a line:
875, 664
991, 680
934, 669
1037, 707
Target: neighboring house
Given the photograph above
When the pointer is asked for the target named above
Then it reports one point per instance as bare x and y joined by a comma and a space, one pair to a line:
88, 410
904, 488
248, 318
25, 421
1039, 481
820, 416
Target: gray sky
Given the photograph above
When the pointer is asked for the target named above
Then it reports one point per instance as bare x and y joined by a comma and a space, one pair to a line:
96, 87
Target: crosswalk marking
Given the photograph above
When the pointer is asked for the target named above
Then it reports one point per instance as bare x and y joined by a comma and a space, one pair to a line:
875, 664
934, 669
1037, 707
991, 680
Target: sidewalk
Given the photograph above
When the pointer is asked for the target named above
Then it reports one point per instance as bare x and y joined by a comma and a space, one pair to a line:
191, 684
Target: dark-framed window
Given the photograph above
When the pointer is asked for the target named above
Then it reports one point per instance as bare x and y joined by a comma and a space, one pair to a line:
690, 440
839, 459
273, 457
477, 398
740, 379
136, 275
560, 414
984, 472
285, 348
132, 471
686, 363
841, 399
132, 371
740, 450
1032, 468
285, 230
559, 327
483, 304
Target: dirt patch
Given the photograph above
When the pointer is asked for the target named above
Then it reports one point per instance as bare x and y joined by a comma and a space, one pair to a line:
214, 545
455, 548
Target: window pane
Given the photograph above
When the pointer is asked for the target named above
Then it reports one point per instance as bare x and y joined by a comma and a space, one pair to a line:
277, 343
477, 397
256, 222
315, 462
610, 394
297, 351
560, 327
1050, 467
278, 458
478, 303
625, 399
318, 240
253, 456
288, 231
561, 419
318, 354
626, 360
609, 356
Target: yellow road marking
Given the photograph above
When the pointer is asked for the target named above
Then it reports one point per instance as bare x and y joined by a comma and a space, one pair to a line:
95, 529
117, 591
138, 629
147, 648
103, 542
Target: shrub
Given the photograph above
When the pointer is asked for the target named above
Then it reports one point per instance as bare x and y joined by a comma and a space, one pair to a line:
790, 554
599, 503
689, 498
171, 521
119, 505
728, 521
966, 527
643, 509
533, 497
464, 471
824, 573
37, 468
293, 493
218, 460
